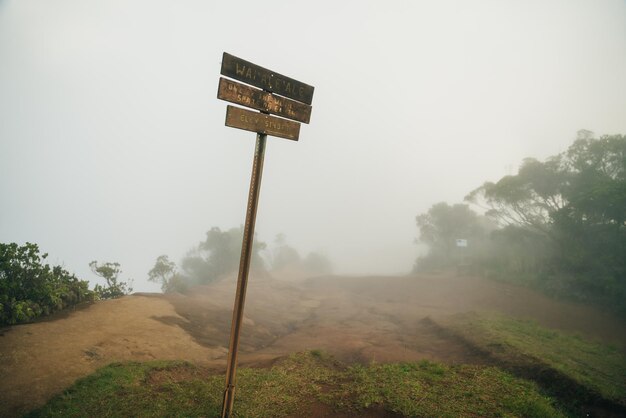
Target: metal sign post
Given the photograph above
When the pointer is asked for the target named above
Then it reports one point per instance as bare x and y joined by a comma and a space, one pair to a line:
244, 268
268, 101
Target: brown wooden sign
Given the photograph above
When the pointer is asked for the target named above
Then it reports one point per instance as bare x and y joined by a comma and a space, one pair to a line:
265, 79
244, 95
248, 120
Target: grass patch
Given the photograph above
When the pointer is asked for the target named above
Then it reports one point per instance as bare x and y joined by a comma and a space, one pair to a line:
292, 386
138, 390
600, 368
427, 389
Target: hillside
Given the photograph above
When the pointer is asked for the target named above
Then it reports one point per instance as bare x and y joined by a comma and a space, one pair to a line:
355, 319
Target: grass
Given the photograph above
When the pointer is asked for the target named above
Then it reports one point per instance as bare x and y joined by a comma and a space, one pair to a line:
427, 389
600, 368
295, 385
139, 390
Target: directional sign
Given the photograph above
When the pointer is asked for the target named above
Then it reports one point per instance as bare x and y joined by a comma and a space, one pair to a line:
265, 79
248, 120
241, 94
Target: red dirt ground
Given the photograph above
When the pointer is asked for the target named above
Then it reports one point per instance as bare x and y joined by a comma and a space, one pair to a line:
355, 319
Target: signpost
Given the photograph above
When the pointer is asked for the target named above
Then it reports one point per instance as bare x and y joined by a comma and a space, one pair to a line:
281, 96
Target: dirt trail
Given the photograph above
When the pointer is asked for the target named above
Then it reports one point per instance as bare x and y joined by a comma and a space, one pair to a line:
356, 319
41, 359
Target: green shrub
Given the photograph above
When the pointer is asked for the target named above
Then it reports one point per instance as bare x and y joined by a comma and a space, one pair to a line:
29, 288
114, 288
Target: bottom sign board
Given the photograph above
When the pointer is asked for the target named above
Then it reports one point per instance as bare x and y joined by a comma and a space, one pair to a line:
248, 120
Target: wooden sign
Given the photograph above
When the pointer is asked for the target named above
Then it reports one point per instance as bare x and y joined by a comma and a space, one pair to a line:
248, 120
241, 94
265, 79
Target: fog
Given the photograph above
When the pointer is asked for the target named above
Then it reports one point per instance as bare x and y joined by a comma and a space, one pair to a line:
113, 145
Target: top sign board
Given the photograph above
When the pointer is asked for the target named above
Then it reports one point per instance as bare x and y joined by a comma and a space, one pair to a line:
268, 80
461, 242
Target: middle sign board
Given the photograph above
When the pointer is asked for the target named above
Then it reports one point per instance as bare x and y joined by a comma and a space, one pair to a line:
254, 98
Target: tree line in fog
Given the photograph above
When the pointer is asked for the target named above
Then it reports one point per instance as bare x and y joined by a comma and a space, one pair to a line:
218, 256
558, 225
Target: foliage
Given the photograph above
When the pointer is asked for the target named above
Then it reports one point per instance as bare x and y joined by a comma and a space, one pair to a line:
442, 225
317, 263
518, 253
562, 223
297, 385
218, 255
176, 283
590, 230
164, 272
29, 288
285, 256
528, 198
110, 272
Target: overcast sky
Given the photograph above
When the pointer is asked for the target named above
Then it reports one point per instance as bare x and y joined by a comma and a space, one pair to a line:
113, 145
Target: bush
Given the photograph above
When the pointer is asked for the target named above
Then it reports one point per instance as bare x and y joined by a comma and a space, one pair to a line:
218, 256
114, 288
29, 288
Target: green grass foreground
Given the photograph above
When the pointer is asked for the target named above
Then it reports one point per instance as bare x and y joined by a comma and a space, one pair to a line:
298, 385
597, 367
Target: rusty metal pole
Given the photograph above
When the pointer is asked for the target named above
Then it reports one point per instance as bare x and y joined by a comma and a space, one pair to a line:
242, 280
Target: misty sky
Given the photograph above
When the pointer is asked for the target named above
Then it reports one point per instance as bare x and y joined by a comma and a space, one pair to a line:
113, 145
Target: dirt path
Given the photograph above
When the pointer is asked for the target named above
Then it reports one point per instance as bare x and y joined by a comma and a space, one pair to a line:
41, 359
355, 319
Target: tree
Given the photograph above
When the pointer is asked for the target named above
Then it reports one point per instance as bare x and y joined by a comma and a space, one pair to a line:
218, 255
442, 225
528, 198
566, 217
597, 190
164, 272
591, 228
110, 272
588, 181
283, 254
317, 263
